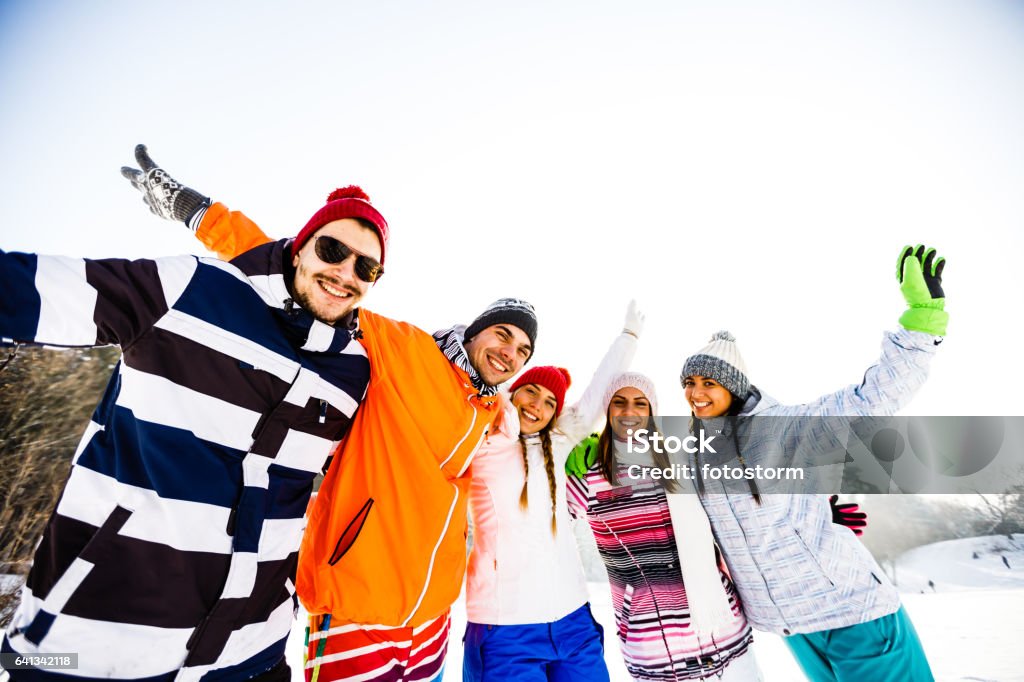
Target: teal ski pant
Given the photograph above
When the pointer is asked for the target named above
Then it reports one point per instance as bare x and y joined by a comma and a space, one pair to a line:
885, 649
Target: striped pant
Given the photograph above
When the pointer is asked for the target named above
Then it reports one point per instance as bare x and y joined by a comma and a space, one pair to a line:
375, 653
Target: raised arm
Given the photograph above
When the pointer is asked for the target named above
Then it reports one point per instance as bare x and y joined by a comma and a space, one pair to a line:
886, 387
226, 233
579, 419
60, 301
229, 233
902, 368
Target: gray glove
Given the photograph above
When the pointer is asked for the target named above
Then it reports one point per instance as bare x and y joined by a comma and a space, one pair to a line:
165, 196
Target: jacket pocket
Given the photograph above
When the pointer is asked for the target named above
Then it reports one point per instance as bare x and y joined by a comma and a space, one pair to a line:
812, 557
351, 532
72, 578
613, 494
624, 616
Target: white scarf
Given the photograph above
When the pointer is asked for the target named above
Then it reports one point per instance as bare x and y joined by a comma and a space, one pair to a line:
710, 611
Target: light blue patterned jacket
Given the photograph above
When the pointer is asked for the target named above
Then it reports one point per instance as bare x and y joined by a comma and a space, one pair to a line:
796, 571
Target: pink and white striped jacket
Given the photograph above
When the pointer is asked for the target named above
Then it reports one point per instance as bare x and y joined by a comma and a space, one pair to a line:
635, 539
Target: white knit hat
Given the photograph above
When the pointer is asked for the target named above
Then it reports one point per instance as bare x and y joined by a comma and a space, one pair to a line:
638, 381
720, 360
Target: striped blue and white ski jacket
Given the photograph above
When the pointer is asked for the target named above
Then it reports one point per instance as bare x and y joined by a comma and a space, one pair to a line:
172, 551
795, 570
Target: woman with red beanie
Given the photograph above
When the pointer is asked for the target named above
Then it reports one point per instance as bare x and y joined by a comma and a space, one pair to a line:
526, 596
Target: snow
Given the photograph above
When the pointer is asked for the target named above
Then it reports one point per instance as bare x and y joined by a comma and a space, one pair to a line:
952, 565
971, 635
969, 626
968, 636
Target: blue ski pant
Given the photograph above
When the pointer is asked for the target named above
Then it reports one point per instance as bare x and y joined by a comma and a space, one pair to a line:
570, 649
885, 649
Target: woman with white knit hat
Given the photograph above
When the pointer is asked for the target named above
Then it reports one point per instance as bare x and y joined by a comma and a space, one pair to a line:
798, 574
676, 610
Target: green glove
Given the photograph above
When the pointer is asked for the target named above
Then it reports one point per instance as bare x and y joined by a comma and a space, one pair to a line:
582, 457
919, 271
165, 196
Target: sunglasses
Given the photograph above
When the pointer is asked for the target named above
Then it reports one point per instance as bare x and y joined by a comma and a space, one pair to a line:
332, 252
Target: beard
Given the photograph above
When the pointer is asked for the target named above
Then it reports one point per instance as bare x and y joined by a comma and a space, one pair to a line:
304, 299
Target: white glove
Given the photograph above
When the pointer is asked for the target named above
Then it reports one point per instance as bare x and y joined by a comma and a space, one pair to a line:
634, 323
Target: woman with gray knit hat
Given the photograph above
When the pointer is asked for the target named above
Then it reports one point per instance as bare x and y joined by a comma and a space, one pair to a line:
676, 610
798, 574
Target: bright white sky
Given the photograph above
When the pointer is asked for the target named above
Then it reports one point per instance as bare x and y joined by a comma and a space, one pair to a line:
738, 166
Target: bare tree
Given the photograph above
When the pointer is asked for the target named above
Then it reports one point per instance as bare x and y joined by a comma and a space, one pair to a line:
1002, 514
46, 397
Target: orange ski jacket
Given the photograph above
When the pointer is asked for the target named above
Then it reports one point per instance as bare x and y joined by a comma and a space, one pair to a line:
385, 542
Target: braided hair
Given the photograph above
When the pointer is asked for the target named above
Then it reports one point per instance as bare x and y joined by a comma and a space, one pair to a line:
549, 468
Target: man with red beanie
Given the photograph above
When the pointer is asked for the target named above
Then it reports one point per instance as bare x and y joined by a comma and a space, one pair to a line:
384, 552
172, 551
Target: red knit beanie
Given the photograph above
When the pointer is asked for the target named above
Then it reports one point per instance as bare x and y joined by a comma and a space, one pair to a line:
555, 379
345, 202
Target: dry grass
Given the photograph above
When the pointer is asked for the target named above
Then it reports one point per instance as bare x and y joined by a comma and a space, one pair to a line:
46, 398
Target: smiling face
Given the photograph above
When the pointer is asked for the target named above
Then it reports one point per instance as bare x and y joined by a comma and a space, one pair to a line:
707, 397
536, 406
329, 292
628, 410
498, 352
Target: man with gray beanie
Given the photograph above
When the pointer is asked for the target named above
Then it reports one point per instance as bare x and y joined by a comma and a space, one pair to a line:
383, 555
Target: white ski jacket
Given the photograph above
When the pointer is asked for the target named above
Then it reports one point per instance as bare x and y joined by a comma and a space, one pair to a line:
518, 571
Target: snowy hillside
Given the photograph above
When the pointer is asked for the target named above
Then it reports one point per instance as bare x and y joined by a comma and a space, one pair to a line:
994, 562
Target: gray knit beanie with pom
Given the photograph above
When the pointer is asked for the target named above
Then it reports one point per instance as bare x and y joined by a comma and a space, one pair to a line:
720, 360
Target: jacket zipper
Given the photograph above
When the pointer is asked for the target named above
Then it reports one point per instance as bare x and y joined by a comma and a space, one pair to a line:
472, 454
451, 509
462, 440
261, 425
433, 556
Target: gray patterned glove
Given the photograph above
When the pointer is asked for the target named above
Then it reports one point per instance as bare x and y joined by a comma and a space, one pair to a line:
165, 196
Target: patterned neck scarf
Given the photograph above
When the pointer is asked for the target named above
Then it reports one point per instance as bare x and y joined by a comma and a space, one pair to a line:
710, 611
450, 342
